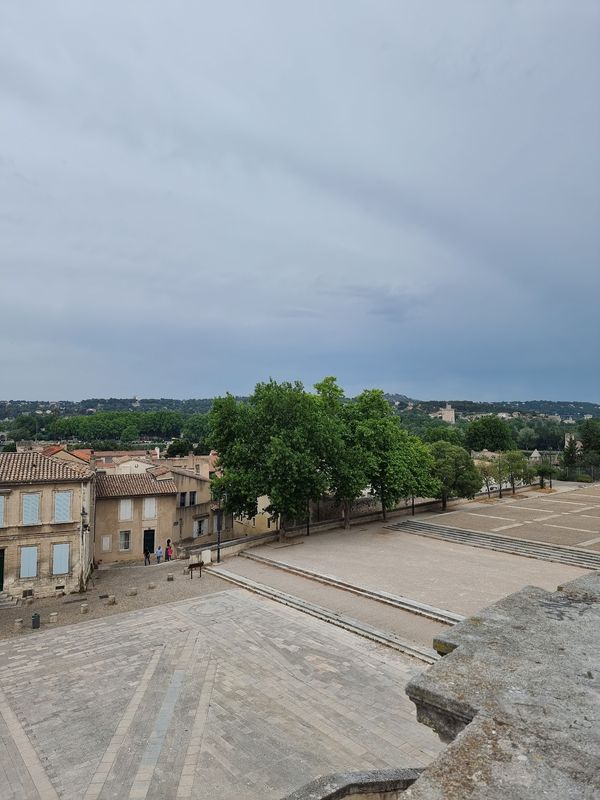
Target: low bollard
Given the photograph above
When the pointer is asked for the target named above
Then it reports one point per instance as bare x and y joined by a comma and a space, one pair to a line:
170, 576
132, 591
35, 620
152, 586
18, 625
112, 600
53, 618
29, 601
84, 608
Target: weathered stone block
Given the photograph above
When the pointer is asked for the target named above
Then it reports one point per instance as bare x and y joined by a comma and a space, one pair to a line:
132, 591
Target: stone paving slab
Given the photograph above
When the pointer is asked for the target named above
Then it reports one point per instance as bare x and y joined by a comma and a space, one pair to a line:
219, 697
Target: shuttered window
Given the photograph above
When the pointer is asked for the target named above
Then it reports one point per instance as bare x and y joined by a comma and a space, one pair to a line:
106, 544
60, 559
31, 509
29, 562
124, 540
149, 507
2, 504
126, 508
62, 506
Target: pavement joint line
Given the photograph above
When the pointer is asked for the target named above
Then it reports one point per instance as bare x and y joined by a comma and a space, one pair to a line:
506, 527
122, 729
398, 601
567, 527
151, 754
28, 754
489, 516
590, 541
198, 728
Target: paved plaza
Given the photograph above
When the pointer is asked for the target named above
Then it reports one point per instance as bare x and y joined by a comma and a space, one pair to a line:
570, 518
450, 576
218, 697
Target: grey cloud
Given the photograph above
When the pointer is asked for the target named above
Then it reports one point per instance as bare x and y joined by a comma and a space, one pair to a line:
404, 196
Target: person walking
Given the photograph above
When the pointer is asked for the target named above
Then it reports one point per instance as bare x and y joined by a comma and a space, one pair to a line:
158, 553
168, 551
146, 557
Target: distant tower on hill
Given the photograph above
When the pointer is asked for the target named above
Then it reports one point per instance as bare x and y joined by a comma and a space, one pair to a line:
448, 414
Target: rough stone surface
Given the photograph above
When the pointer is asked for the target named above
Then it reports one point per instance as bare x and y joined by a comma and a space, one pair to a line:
375, 784
53, 618
519, 692
132, 591
84, 608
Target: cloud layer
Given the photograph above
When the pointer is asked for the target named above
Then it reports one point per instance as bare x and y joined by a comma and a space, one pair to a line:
195, 196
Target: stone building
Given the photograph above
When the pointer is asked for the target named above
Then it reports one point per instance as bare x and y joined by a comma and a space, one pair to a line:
46, 524
133, 512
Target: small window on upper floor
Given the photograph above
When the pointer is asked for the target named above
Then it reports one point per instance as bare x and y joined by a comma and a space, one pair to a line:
182, 498
2, 506
192, 498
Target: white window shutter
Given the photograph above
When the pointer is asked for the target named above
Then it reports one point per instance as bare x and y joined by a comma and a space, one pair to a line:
2, 503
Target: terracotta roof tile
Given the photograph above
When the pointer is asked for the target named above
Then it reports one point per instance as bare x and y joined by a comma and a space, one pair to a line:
132, 486
52, 449
31, 467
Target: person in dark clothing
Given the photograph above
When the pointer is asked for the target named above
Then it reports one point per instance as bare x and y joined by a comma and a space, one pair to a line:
146, 557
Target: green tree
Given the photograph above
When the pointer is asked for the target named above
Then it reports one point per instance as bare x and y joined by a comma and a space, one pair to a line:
545, 470
179, 447
419, 478
381, 436
455, 472
442, 432
489, 433
8, 447
347, 459
570, 454
589, 432
276, 444
130, 434
486, 471
196, 429
515, 466
527, 437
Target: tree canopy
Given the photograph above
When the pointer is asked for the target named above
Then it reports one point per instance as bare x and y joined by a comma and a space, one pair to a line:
455, 472
489, 433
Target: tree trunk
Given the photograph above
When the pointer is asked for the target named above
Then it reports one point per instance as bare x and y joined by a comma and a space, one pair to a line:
487, 486
308, 517
384, 511
412, 505
346, 515
512, 483
444, 502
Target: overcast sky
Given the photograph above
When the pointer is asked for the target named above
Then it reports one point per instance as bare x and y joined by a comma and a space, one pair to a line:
195, 196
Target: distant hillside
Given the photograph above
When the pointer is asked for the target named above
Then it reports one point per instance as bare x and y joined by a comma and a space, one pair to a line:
563, 408
9, 409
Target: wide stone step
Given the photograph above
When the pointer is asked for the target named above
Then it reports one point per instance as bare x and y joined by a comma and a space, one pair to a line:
340, 620
524, 547
398, 601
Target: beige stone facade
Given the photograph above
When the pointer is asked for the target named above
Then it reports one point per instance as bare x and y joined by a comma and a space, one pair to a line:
261, 522
133, 512
46, 525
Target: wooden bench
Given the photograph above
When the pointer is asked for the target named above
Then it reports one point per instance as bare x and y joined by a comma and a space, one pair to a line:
193, 566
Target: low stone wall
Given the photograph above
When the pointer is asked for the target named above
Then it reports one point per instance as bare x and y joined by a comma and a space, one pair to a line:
379, 784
